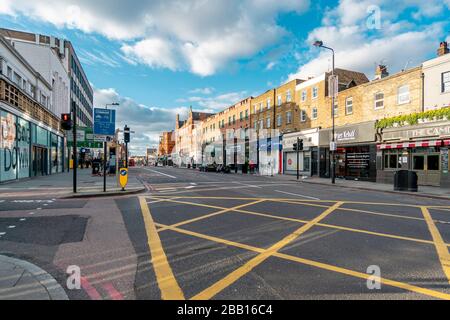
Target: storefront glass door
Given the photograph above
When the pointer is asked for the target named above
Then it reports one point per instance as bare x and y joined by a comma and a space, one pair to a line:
428, 168
39, 161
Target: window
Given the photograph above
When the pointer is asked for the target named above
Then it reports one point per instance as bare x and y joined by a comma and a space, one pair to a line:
234, 119
280, 101
304, 95
268, 103
288, 117
229, 120
315, 113
261, 107
9, 75
254, 108
44, 100
17, 79
419, 163
246, 114
279, 121
241, 116
379, 100
303, 116
315, 92
403, 94
33, 91
288, 96
392, 160
349, 106
268, 123
446, 82
261, 124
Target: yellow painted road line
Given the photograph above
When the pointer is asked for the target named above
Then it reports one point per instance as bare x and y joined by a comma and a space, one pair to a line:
250, 265
324, 266
170, 290
297, 200
441, 248
240, 210
225, 210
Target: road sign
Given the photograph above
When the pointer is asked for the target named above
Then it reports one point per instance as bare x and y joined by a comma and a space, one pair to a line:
123, 179
333, 146
104, 122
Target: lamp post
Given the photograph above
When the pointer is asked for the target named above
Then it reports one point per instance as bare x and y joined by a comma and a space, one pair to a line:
105, 150
320, 44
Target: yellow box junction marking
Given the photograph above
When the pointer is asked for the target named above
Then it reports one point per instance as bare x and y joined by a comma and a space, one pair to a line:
224, 210
250, 265
170, 290
324, 266
441, 247
330, 226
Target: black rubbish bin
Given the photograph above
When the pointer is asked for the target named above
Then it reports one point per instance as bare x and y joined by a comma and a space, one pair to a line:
95, 168
405, 180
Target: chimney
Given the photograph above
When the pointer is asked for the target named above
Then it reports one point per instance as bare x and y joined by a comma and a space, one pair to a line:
177, 124
443, 49
381, 72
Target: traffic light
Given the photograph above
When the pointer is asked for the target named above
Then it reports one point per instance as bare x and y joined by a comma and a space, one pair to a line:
66, 121
300, 146
295, 147
126, 134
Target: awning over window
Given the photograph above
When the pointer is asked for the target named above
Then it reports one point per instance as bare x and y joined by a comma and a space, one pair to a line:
417, 144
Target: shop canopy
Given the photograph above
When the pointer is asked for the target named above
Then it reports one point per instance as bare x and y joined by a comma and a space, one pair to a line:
416, 144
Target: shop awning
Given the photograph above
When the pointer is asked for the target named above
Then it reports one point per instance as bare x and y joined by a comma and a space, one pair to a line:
417, 144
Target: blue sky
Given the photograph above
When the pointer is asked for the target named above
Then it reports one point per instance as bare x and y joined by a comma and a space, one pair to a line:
159, 57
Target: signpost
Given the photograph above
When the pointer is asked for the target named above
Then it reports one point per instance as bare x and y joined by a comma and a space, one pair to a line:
104, 125
123, 178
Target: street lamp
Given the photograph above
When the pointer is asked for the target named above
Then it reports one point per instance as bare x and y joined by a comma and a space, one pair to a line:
319, 44
115, 104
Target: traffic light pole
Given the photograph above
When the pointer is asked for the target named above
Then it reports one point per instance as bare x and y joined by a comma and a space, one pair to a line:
298, 158
74, 150
104, 165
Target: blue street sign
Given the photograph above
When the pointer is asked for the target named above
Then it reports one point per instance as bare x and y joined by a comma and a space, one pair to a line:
104, 122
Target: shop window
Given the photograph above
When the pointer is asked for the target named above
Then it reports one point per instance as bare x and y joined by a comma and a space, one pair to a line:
433, 163
392, 160
419, 163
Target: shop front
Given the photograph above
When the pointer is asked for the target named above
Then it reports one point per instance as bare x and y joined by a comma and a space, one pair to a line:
27, 149
356, 152
422, 148
308, 158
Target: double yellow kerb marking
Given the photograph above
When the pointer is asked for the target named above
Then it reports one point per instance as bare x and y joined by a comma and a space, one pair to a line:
170, 290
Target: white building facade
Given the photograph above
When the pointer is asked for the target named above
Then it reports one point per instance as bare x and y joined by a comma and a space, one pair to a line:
437, 80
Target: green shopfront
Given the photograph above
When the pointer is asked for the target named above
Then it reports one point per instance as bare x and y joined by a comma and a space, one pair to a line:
28, 149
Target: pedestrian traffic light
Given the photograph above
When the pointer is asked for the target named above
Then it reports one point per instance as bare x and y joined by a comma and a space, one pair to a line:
126, 134
66, 121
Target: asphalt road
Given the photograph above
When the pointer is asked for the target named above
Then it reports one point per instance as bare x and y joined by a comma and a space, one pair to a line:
196, 235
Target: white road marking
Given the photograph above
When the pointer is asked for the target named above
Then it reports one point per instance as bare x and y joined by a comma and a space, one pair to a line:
190, 187
163, 174
32, 213
39, 209
2, 233
297, 195
23, 219
11, 227
1, 201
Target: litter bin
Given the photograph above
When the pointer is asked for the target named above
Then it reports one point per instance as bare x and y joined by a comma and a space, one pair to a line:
405, 180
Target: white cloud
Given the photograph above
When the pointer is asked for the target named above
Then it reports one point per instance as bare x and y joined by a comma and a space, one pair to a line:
204, 91
155, 52
193, 35
398, 43
147, 122
216, 103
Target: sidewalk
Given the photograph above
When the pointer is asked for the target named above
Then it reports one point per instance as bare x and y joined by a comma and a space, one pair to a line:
21, 280
61, 185
424, 191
